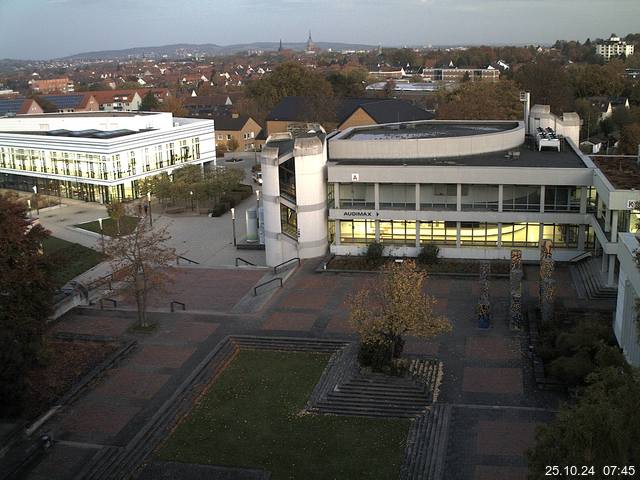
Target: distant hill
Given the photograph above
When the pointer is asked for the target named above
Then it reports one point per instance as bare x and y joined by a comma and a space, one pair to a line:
181, 50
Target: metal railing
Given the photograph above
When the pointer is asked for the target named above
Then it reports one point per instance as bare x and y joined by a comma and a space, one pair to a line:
188, 260
114, 303
275, 269
238, 259
580, 257
174, 303
108, 279
255, 289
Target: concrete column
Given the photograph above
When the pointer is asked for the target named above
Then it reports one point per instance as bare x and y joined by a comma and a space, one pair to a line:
541, 234
377, 227
582, 236
418, 233
459, 201
417, 196
458, 241
599, 207
542, 191
376, 197
584, 191
612, 271
614, 226
603, 266
607, 220
500, 197
336, 195
336, 240
499, 243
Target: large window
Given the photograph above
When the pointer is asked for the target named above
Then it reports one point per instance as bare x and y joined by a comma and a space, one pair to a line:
481, 197
398, 232
398, 196
438, 232
357, 231
563, 236
287, 175
561, 199
357, 195
521, 198
520, 234
288, 221
439, 196
330, 195
478, 234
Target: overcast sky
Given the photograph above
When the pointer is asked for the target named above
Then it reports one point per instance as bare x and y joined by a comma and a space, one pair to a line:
41, 29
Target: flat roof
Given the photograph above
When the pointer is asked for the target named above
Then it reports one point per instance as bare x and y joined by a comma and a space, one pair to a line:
86, 114
409, 131
89, 133
529, 157
622, 171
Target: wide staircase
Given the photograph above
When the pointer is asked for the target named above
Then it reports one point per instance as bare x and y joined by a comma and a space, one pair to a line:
589, 281
426, 450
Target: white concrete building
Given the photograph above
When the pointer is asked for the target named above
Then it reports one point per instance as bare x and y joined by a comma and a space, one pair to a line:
626, 325
614, 47
98, 156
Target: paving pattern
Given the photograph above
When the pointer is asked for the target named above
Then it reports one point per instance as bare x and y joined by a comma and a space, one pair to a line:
487, 391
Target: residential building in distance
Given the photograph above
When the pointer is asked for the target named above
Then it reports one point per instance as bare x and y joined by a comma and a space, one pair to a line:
118, 100
607, 105
293, 112
241, 128
614, 47
18, 106
52, 85
73, 102
98, 156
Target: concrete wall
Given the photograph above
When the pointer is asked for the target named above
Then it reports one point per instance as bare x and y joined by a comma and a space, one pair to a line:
625, 325
342, 147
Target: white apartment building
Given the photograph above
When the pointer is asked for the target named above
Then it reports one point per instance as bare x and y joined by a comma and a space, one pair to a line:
98, 156
614, 47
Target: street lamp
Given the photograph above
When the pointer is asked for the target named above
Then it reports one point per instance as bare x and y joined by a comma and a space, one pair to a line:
191, 195
101, 234
233, 224
258, 213
35, 191
149, 203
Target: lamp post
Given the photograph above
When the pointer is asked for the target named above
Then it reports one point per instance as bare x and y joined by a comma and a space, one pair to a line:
35, 191
101, 234
149, 203
29, 204
258, 213
233, 225
191, 196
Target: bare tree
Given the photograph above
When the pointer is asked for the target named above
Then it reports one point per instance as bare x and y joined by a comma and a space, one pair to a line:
142, 262
117, 212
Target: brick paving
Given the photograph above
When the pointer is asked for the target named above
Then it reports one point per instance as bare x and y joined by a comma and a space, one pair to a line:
486, 373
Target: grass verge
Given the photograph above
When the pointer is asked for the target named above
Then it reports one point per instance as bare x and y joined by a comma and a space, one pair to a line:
71, 259
109, 226
251, 418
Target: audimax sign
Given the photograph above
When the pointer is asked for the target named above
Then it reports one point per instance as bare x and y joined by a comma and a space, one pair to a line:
360, 214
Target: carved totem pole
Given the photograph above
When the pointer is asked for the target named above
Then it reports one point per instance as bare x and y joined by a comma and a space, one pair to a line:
547, 284
515, 290
484, 306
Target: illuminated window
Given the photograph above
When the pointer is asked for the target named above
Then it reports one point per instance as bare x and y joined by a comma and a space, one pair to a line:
357, 231
398, 232
438, 232
520, 234
478, 234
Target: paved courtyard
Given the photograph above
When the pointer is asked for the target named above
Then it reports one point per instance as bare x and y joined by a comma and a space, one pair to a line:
487, 379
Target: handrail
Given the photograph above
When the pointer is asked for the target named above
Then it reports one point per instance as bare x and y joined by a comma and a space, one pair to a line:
102, 300
275, 269
581, 256
175, 302
101, 280
178, 257
245, 261
255, 289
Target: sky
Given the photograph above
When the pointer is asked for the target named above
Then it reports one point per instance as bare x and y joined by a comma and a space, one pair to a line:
44, 29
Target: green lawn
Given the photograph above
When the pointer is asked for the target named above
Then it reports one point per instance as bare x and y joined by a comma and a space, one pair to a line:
250, 418
127, 226
71, 259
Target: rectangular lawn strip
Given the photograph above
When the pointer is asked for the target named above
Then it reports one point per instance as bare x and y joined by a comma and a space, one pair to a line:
109, 226
71, 259
251, 418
